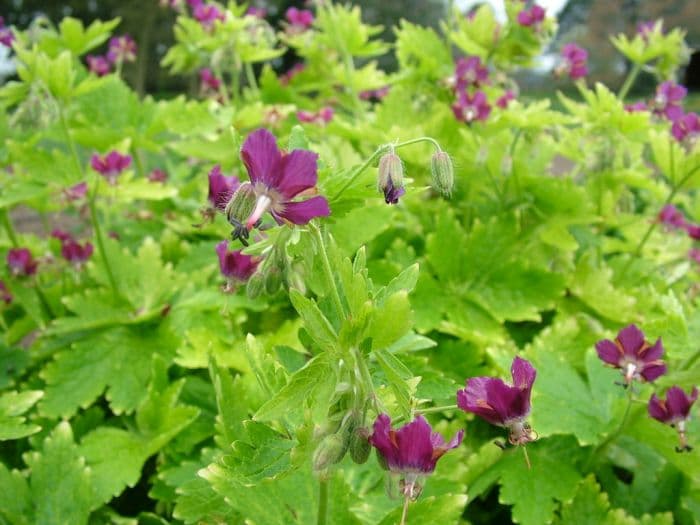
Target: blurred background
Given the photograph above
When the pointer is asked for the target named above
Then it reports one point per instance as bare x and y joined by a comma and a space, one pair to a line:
587, 22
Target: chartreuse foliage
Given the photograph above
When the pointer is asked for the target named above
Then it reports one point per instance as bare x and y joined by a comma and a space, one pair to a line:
133, 389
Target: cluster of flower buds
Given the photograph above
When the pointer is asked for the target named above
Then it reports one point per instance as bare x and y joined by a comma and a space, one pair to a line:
72, 251
121, 49
111, 165
668, 104
532, 16
471, 103
638, 360
299, 19
206, 14
574, 62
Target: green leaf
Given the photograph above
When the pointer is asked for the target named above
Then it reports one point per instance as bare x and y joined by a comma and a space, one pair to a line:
315, 382
399, 377
317, 325
60, 482
12, 405
434, 509
15, 498
391, 321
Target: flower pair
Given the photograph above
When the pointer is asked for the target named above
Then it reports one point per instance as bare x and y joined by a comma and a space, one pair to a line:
641, 361
121, 49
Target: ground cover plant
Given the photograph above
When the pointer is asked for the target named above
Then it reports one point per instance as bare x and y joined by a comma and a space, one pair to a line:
338, 295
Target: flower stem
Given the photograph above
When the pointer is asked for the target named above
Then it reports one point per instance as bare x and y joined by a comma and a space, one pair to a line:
527, 457
629, 81
335, 296
322, 502
250, 77
91, 202
613, 435
404, 513
7, 223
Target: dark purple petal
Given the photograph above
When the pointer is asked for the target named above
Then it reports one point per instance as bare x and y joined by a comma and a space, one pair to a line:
21, 262
221, 188
652, 353
653, 370
299, 172
609, 352
475, 399
262, 158
657, 409
523, 373
302, 212
415, 450
677, 403
235, 264
631, 339
381, 439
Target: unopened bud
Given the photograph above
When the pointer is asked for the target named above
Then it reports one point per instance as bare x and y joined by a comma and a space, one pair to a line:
273, 281
255, 286
238, 209
390, 179
360, 446
443, 173
329, 451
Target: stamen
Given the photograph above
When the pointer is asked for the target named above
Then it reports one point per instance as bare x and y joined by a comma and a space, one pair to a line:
261, 206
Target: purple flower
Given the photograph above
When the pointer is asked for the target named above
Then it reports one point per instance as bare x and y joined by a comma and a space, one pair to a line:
532, 17
647, 29
674, 411
207, 14
21, 262
470, 71
279, 177
575, 59
671, 217
686, 128
61, 235
111, 165
468, 108
636, 106
505, 99
257, 12
221, 188
77, 192
287, 77
322, 116
234, 265
668, 99
76, 253
374, 94
5, 295
208, 80
121, 49
694, 254
633, 355
502, 404
98, 65
157, 175
412, 451
693, 231
6, 34
299, 18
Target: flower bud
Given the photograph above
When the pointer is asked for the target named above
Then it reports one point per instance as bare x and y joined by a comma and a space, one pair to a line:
255, 286
238, 209
329, 451
443, 173
360, 446
390, 179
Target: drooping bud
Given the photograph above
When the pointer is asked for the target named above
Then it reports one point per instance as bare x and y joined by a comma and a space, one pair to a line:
390, 179
360, 446
443, 173
238, 209
255, 286
329, 451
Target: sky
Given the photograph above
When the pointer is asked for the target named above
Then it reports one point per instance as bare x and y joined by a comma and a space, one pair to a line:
552, 6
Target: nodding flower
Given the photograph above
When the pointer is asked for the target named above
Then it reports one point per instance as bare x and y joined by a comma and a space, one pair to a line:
111, 165
674, 411
667, 101
532, 17
633, 355
501, 404
121, 49
235, 265
21, 263
411, 451
574, 62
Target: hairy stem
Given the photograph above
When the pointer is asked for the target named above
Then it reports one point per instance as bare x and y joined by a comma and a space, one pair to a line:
634, 72
404, 513
328, 271
322, 502
9, 228
250, 77
613, 435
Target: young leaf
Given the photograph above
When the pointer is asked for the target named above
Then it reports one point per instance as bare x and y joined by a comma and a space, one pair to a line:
12, 405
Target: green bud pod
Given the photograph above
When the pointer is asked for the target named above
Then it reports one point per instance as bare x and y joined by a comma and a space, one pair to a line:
273, 280
360, 446
390, 177
239, 208
329, 451
443, 173
255, 286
